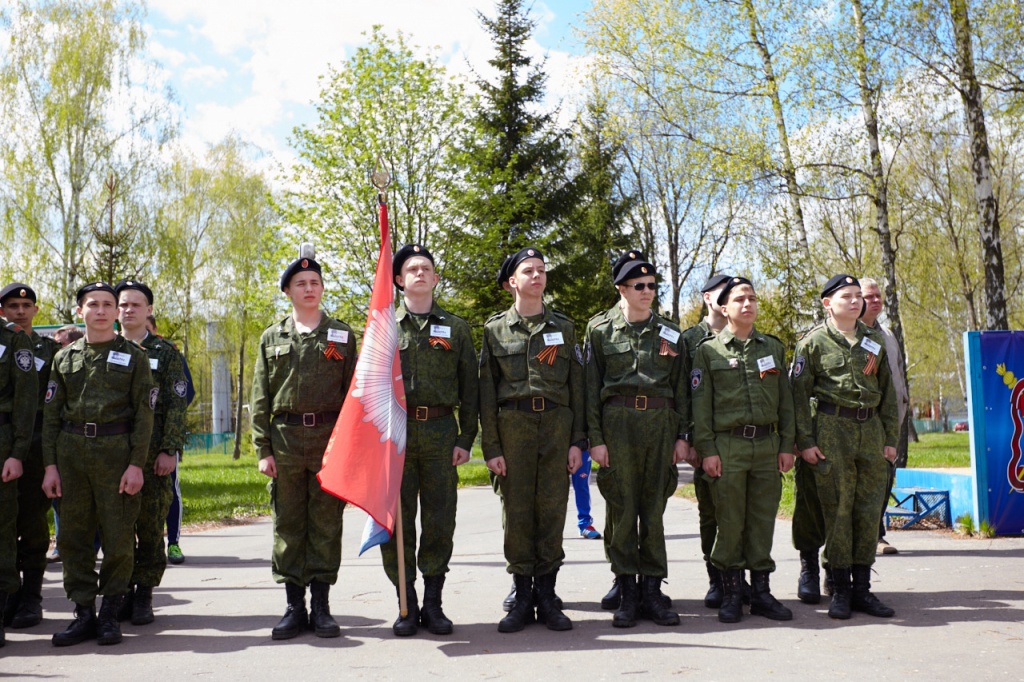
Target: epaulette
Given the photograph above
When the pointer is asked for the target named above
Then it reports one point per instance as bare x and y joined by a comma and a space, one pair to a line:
13, 327
811, 331
495, 316
772, 336
559, 313
170, 343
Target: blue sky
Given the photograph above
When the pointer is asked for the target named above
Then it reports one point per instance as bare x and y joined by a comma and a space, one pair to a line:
252, 66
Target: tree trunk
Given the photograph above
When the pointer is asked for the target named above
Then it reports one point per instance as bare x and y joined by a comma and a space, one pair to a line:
987, 204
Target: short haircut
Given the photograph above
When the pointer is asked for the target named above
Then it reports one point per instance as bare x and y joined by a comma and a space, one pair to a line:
71, 332
869, 281
152, 320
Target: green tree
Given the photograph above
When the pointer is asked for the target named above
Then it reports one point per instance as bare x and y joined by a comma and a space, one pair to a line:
78, 102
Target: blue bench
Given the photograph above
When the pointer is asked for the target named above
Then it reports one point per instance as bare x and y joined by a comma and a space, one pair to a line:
911, 506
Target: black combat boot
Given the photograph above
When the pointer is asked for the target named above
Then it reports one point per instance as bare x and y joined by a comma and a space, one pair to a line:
610, 601
30, 604
295, 618
548, 611
320, 618
666, 601
840, 606
11, 602
731, 610
652, 602
108, 630
625, 615
142, 606
127, 604
432, 616
862, 599
522, 613
762, 603
407, 626
713, 599
510, 600
83, 627
807, 589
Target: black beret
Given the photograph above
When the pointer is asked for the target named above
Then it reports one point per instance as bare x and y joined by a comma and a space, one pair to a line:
733, 282
519, 256
404, 254
838, 282
629, 265
503, 272
300, 265
714, 281
133, 284
94, 286
17, 290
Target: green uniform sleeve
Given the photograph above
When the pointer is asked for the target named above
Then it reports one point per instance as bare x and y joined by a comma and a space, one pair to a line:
703, 405
143, 402
53, 407
802, 377
787, 412
490, 374
594, 366
172, 393
888, 408
350, 367
25, 395
259, 401
680, 379
469, 390
577, 391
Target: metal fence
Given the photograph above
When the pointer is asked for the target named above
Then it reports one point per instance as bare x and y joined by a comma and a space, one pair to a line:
210, 442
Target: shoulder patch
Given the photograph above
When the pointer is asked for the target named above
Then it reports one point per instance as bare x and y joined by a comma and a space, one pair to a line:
798, 366
154, 394
24, 360
695, 378
51, 390
180, 388
579, 355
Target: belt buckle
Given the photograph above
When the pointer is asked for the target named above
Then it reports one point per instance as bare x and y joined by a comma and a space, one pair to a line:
866, 411
421, 410
535, 405
638, 405
309, 418
90, 430
749, 431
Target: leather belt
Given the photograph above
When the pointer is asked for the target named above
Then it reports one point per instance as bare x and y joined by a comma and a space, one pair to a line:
422, 413
751, 431
5, 418
306, 418
861, 414
91, 429
538, 404
640, 402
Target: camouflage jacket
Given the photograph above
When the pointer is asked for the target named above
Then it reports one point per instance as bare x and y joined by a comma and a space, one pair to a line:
44, 349
169, 376
18, 390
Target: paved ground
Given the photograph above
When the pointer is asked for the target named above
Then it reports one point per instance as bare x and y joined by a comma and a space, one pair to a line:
959, 611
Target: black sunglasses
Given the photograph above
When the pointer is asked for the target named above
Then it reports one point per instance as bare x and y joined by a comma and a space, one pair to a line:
639, 286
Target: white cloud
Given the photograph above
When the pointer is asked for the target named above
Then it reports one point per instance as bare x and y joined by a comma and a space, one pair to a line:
206, 75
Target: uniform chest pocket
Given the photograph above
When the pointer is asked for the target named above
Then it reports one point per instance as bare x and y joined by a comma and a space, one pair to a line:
556, 367
726, 374
619, 359
511, 358
73, 371
119, 377
278, 358
832, 361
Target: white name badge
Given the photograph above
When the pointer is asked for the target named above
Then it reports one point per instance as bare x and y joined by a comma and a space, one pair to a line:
154, 363
337, 335
765, 364
870, 346
671, 335
118, 358
441, 331
553, 339
40, 363
3, 349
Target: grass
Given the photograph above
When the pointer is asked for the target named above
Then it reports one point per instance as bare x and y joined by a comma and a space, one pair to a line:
940, 451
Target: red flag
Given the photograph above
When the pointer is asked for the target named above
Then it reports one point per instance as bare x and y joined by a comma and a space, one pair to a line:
364, 458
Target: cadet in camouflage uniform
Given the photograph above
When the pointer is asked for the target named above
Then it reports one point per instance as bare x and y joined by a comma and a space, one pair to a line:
135, 303
440, 373
637, 407
531, 413
97, 426
25, 607
842, 366
710, 324
19, 397
744, 430
303, 371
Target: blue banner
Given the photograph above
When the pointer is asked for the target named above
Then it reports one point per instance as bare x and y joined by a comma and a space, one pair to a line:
995, 395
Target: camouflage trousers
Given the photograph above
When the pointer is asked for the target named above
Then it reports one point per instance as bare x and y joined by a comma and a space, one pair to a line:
746, 498
851, 485
636, 485
90, 472
150, 551
430, 481
307, 520
535, 487
10, 581
33, 504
